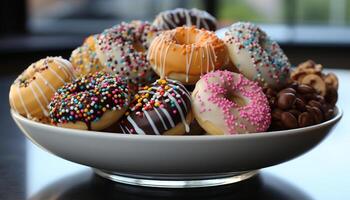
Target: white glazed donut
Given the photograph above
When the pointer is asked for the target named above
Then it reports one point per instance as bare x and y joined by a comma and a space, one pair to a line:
224, 102
122, 49
256, 56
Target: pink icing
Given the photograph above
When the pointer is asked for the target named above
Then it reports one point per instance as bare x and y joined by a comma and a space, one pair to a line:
256, 111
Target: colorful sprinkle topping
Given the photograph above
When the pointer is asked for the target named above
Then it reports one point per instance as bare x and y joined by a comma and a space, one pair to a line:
156, 95
38, 67
254, 111
88, 98
84, 58
125, 47
266, 56
157, 108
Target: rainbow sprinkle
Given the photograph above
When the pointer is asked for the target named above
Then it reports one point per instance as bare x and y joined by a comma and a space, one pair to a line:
88, 98
125, 47
267, 57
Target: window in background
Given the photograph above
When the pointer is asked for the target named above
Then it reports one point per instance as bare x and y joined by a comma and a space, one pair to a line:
303, 21
89, 16
265, 11
316, 12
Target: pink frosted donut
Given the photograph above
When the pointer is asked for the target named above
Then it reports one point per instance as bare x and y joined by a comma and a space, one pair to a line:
228, 103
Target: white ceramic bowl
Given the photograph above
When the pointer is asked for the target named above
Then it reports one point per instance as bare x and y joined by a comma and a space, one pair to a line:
174, 157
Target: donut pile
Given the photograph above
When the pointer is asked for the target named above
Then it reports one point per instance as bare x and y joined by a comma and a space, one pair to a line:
175, 76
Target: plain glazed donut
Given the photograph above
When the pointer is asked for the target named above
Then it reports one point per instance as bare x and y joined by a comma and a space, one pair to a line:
224, 102
163, 108
256, 56
178, 17
84, 58
186, 53
92, 102
122, 49
31, 92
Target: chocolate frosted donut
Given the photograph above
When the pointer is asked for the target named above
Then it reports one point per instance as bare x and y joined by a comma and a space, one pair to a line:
171, 19
163, 108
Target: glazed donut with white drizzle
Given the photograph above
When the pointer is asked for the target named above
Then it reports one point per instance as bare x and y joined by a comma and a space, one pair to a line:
163, 108
178, 17
186, 53
31, 92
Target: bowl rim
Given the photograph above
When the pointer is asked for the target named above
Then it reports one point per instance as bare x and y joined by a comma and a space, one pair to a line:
337, 117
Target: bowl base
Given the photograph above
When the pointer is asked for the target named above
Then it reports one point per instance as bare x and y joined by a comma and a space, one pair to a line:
176, 181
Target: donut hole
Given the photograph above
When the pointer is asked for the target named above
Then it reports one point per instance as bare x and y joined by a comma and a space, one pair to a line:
139, 47
184, 38
262, 40
236, 98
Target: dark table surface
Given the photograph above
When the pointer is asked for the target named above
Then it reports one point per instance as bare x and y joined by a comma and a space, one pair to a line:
28, 172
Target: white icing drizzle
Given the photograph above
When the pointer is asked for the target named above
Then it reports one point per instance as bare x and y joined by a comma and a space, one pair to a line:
208, 57
137, 128
182, 101
159, 52
154, 127
22, 102
43, 109
164, 59
62, 67
57, 75
189, 62
161, 119
67, 67
205, 24
166, 18
212, 54
121, 127
176, 18
166, 113
128, 130
198, 21
182, 90
188, 17
46, 82
187, 127
41, 92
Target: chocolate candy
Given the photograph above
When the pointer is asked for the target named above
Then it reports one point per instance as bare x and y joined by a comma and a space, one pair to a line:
289, 120
305, 119
286, 100
298, 105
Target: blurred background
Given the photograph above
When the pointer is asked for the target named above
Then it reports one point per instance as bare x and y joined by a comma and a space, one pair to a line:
31, 29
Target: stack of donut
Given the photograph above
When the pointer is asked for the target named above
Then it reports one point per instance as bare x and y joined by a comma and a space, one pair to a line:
175, 76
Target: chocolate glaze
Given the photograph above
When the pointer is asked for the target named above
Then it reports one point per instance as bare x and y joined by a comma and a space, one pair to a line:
171, 19
164, 118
